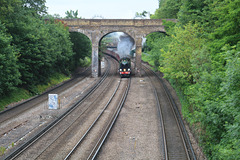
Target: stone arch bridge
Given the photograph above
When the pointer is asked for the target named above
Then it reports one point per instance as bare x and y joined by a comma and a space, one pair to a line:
96, 29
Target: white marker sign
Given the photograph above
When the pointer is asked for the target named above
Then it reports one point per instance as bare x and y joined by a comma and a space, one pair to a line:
52, 101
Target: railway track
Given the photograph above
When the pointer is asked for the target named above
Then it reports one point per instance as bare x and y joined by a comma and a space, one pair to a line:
35, 101
176, 143
74, 125
77, 152
80, 132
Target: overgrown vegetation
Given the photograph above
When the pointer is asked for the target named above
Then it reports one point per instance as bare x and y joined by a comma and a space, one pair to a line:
200, 56
2, 150
82, 49
32, 50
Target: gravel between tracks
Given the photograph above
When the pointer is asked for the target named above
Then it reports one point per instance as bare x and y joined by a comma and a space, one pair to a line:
196, 147
136, 134
15, 131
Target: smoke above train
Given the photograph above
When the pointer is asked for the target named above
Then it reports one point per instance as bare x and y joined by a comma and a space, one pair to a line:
125, 45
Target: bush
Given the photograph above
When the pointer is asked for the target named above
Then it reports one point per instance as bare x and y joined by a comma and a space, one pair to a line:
10, 76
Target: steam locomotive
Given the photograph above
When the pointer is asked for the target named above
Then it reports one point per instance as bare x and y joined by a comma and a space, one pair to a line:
125, 67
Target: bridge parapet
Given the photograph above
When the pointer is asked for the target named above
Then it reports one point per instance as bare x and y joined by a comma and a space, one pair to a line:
95, 29
114, 22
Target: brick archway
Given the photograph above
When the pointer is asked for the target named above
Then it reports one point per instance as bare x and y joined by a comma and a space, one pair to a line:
95, 29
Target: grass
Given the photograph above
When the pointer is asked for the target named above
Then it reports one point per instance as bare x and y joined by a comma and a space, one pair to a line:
56, 79
2, 150
15, 96
22, 94
85, 62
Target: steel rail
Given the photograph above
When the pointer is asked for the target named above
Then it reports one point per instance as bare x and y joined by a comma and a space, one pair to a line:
160, 114
183, 132
103, 137
91, 126
23, 109
176, 111
26, 145
165, 150
75, 121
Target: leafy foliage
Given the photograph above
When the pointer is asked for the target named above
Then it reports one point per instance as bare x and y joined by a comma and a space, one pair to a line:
141, 15
167, 9
230, 107
43, 49
32, 49
180, 62
81, 47
71, 14
200, 57
8, 63
7, 7
192, 11
153, 48
226, 24
38, 6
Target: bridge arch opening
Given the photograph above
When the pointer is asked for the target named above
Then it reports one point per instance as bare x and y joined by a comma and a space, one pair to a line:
96, 28
82, 48
148, 54
117, 44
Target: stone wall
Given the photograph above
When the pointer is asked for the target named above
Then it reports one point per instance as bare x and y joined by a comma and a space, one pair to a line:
96, 29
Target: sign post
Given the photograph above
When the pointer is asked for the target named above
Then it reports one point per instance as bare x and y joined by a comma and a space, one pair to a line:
53, 101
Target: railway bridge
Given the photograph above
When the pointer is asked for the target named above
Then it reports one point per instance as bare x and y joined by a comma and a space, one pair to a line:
96, 29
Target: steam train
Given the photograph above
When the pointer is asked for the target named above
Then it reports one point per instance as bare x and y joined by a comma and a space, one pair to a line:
125, 67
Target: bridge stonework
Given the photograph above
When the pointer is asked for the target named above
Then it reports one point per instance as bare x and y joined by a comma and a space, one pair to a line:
96, 29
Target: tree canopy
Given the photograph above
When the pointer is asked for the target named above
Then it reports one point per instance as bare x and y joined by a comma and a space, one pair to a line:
33, 49
199, 55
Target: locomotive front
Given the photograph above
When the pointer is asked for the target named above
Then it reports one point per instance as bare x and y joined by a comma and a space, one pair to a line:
125, 67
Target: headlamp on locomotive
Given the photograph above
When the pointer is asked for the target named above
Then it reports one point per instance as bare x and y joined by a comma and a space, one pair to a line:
125, 67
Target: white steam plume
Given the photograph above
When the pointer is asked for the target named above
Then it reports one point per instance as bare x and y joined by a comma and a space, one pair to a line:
125, 45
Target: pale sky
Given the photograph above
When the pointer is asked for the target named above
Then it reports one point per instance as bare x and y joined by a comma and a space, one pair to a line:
108, 9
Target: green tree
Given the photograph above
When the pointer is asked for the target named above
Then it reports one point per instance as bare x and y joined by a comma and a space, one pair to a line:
155, 44
38, 6
81, 47
193, 11
10, 76
141, 15
167, 9
201, 60
63, 47
44, 48
229, 145
7, 7
36, 54
179, 61
71, 14
226, 23
32, 49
